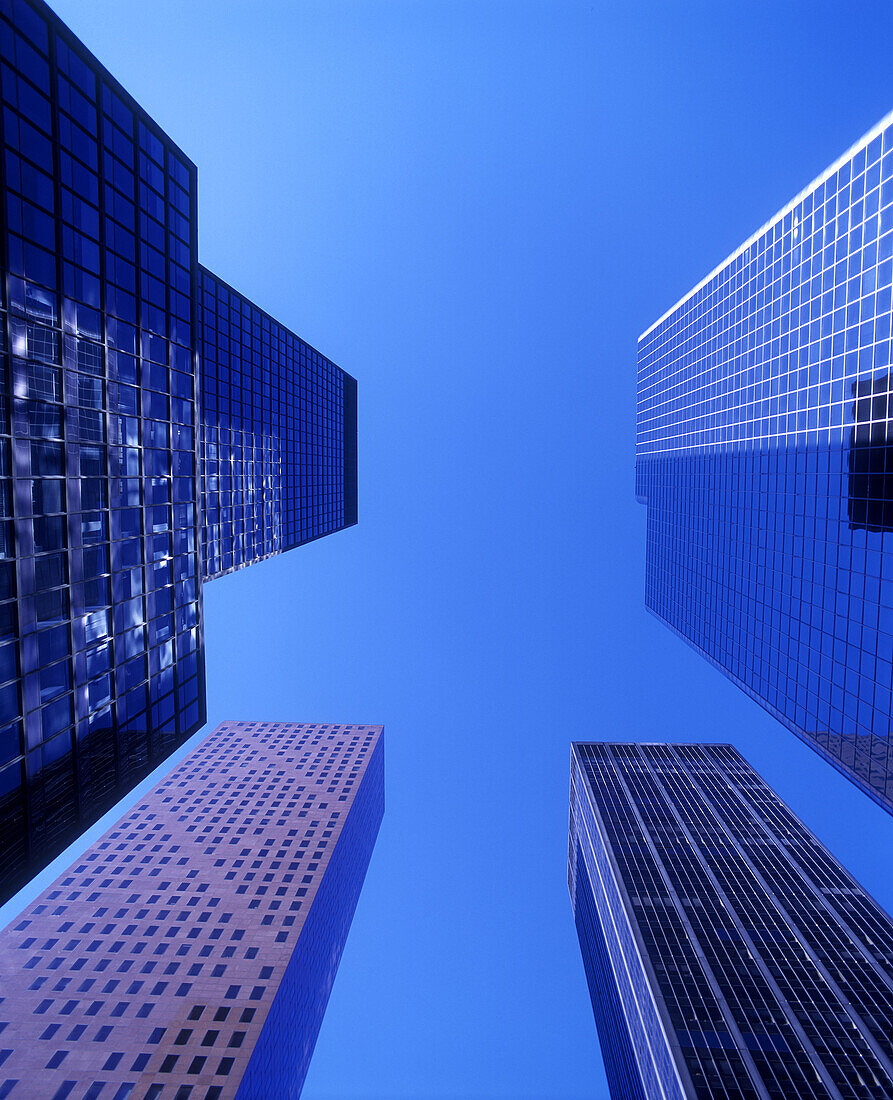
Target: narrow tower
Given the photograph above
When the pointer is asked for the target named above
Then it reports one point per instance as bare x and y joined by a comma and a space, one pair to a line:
728, 953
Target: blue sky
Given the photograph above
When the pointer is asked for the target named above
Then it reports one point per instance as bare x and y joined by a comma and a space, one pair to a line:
475, 208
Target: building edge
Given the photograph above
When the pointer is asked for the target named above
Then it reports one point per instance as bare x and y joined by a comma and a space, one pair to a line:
314, 963
863, 141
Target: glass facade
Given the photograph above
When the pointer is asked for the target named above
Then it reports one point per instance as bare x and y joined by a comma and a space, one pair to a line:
190, 952
101, 662
104, 311
279, 464
728, 953
765, 406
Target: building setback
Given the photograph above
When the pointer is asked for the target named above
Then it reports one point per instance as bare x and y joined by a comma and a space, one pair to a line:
728, 953
190, 951
763, 424
279, 435
101, 430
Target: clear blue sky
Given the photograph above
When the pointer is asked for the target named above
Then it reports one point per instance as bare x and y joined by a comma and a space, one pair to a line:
475, 208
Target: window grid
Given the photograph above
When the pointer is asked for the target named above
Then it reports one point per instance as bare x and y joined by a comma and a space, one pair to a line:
278, 468
763, 988
100, 644
765, 458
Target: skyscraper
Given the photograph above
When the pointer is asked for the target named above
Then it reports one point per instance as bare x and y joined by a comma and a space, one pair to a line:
101, 436
764, 422
191, 950
279, 424
102, 655
728, 953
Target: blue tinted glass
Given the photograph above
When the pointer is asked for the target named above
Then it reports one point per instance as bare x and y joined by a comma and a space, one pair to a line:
765, 457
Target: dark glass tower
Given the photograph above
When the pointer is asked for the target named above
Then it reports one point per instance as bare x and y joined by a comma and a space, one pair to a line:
279, 435
763, 454
101, 645
728, 954
190, 952
101, 661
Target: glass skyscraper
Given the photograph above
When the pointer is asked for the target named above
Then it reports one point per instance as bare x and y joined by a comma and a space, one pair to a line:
279, 465
728, 954
104, 314
191, 950
764, 454
102, 663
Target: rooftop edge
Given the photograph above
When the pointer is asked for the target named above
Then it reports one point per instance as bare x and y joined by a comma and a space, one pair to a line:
866, 139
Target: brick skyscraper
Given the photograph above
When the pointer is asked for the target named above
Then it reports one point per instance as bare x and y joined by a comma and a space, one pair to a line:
728, 953
191, 951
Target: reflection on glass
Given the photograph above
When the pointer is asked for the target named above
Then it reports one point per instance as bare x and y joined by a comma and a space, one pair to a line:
764, 441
